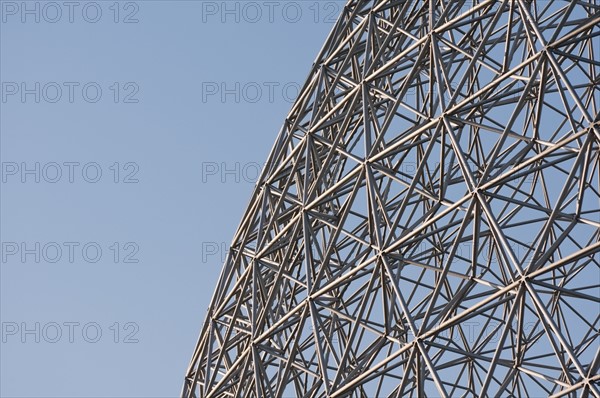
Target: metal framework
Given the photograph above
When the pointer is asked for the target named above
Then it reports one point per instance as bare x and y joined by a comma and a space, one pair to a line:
428, 221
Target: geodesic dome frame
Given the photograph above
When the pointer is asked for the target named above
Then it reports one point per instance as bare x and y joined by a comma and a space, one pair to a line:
427, 223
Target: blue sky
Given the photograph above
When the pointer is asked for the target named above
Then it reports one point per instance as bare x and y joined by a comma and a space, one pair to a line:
131, 137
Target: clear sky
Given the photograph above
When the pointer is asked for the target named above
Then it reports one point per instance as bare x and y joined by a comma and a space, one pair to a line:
131, 137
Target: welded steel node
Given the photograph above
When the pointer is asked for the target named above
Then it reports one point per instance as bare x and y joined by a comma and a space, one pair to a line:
427, 223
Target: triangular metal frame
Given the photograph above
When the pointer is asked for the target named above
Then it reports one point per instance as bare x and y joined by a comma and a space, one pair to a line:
427, 223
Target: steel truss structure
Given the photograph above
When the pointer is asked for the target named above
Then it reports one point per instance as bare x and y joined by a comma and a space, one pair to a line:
427, 223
